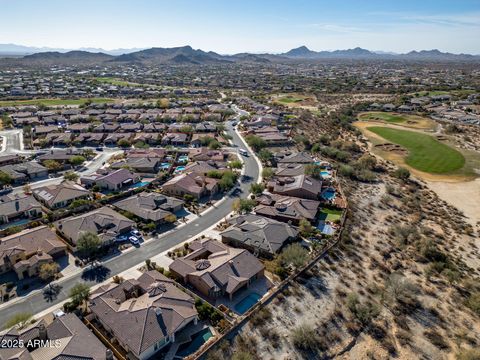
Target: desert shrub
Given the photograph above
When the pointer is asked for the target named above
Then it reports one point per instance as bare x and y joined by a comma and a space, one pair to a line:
304, 337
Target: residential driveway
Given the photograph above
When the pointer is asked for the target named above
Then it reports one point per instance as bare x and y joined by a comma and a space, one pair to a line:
36, 302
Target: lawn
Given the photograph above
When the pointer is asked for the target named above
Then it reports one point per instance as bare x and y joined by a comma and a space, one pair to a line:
383, 116
53, 102
330, 214
425, 153
290, 99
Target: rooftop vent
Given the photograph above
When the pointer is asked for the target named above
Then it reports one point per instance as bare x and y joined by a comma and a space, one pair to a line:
156, 288
202, 264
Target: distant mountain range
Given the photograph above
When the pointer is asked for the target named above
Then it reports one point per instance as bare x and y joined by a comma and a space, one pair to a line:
190, 56
21, 50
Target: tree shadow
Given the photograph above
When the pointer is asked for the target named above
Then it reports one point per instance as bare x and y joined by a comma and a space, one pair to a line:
50, 293
97, 274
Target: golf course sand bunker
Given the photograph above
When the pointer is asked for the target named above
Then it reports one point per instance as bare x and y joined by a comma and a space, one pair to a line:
393, 148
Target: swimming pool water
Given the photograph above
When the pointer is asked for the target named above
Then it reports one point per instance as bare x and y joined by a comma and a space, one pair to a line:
199, 339
179, 168
246, 303
328, 194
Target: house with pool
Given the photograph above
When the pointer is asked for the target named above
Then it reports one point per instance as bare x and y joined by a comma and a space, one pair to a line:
215, 269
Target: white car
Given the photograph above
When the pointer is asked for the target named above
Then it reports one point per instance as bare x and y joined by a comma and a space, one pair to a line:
134, 240
135, 232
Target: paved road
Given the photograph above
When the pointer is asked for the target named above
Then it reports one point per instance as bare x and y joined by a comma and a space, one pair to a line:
12, 141
36, 303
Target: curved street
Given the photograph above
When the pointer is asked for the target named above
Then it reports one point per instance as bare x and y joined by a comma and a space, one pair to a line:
35, 302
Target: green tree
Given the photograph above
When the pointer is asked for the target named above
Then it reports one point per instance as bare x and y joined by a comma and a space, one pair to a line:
243, 206
402, 173
171, 218
5, 179
20, 319
52, 165
257, 143
306, 229
80, 293
71, 176
7, 121
235, 164
267, 173
265, 155
48, 271
295, 255
88, 244
257, 189
123, 143
227, 180
77, 160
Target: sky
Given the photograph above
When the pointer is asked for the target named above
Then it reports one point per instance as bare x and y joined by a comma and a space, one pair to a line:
233, 26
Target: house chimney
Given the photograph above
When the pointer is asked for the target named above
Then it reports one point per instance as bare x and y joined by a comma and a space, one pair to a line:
42, 332
158, 311
109, 355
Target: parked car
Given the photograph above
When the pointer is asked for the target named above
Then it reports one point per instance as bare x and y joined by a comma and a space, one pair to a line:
243, 152
121, 238
5, 190
136, 233
134, 240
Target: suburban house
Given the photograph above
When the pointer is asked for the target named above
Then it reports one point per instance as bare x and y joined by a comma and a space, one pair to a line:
143, 315
203, 167
150, 206
26, 251
105, 222
139, 164
205, 154
261, 236
216, 269
287, 157
70, 336
289, 170
286, 208
192, 184
61, 156
25, 171
16, 207
113, 181
302, 186
175, 139
61, 195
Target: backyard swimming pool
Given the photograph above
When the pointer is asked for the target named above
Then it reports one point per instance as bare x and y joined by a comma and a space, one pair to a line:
179, 169
246, 303
328, 194
165, 166
183, 158
139, 184
325, 228
199, 339
325, 173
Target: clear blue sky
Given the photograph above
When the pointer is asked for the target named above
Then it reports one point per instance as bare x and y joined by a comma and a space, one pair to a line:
231, 26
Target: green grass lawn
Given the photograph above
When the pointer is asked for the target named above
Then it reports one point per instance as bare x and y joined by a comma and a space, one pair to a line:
383, 116
290, 99
330, 214
53, 102
425, 153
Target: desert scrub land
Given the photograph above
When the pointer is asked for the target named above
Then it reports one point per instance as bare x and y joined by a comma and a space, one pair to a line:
395, 287
403, 282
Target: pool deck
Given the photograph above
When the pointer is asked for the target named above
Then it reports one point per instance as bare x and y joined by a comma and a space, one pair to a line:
260, 287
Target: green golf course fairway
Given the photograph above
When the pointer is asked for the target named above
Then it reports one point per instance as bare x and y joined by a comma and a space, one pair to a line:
425, 153
374, 115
